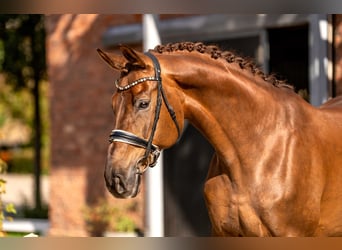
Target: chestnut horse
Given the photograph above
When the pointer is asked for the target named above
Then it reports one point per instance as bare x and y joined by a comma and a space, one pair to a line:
277, 167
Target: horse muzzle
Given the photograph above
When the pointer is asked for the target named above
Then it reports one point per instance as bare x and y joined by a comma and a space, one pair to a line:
121, 186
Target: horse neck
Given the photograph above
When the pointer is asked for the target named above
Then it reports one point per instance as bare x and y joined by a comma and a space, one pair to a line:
221, 97
227, 104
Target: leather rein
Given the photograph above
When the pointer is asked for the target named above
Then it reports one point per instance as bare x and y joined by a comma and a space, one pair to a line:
127, 137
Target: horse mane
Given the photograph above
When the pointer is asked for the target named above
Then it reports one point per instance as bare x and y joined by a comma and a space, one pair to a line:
229, 56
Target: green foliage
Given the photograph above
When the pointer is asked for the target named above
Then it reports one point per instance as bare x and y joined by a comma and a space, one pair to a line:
15, 105
8, 208
16, 234
97, 217
124, 224
21, 161
24, 66
22, 47
103, 216
42, 213
21, 165
18, 107
23, 95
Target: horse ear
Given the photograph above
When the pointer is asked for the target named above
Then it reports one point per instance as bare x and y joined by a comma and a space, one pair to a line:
115, 61
134, 57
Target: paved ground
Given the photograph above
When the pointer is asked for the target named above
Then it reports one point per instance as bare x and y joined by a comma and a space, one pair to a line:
20, 189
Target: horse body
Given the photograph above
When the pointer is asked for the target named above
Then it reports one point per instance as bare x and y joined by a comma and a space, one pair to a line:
277, 167
270, 173
289, 185
331, 140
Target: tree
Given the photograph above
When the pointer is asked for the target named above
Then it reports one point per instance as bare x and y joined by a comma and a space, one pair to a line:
22, 61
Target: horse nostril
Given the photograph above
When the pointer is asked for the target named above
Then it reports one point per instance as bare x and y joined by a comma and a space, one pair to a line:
120, 186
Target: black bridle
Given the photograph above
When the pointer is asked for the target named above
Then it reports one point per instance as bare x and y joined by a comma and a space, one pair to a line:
130, 138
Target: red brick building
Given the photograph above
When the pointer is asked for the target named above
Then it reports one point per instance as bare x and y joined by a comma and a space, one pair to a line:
337, 48
82, 85
81, 89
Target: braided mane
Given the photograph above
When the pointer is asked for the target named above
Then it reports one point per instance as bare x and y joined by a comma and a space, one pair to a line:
230, 57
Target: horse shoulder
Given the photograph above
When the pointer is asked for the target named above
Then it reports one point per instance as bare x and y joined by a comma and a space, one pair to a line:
217, 194
330, 141
231, 213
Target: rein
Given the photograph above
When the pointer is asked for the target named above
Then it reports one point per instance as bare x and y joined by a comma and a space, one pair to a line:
130, 138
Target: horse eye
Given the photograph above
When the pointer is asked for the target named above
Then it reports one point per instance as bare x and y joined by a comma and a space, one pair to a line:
143, 104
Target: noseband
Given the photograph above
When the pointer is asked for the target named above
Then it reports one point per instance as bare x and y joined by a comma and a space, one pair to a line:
130, 138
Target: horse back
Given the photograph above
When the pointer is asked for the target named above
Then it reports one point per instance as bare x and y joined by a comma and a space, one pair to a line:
332, 113
333, 103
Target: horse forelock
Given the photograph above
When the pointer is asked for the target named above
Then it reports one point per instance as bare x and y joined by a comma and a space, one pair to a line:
230, 57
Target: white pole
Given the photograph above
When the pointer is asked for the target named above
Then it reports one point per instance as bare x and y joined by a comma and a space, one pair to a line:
318, 59
154, 193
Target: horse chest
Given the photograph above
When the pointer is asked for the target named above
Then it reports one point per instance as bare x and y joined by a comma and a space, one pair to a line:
230, 215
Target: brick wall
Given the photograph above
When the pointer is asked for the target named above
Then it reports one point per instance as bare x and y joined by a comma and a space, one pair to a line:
338, 54
81, 117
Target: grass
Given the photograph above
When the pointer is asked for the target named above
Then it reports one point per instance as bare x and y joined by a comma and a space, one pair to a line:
15, 234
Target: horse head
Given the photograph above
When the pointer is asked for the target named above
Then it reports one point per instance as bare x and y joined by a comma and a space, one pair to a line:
144, 123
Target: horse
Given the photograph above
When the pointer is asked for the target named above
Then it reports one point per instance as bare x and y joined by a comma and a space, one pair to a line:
277, 166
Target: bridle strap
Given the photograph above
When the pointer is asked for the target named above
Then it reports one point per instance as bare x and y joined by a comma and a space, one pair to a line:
127, 137
158, 77
157, 72
118, 135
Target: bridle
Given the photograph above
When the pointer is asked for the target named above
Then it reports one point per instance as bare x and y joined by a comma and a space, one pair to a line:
151, 150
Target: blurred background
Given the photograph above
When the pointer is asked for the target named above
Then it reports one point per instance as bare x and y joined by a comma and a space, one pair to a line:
55, 113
